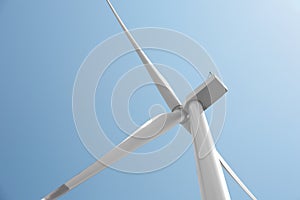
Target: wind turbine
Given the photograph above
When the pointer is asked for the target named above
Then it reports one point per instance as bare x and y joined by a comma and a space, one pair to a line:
190, 114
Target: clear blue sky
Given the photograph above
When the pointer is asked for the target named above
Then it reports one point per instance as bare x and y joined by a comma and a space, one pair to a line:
255, 45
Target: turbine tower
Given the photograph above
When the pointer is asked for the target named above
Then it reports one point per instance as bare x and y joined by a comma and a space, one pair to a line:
190, 114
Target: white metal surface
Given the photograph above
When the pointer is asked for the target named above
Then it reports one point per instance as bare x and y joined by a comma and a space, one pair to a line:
162, 85
150, 130
210, 175
208, 92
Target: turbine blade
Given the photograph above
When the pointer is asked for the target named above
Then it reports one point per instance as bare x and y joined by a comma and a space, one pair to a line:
161, 83
147, 132
235, 177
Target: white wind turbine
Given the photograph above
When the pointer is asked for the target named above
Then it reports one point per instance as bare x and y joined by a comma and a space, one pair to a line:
190, 114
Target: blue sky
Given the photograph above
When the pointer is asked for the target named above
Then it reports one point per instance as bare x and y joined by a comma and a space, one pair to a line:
255, 45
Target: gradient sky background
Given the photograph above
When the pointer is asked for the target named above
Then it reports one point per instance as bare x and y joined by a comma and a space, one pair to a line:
255, 45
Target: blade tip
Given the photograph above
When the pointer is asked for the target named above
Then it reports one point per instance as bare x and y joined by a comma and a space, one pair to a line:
57, 193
